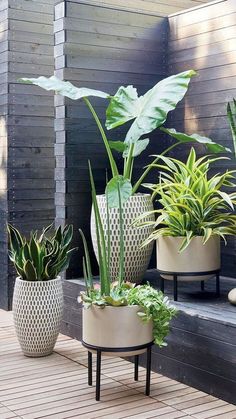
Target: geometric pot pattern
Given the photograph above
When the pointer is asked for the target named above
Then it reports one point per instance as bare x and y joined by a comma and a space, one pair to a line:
37, 314
136, 258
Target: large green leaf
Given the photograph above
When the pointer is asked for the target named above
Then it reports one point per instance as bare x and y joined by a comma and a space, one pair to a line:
118, 184
150, 111
122, 107
64, 88
139, 147
185, 138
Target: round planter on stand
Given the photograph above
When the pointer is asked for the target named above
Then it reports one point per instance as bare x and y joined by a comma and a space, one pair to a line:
116, 331
136, 258
197, 257
37, 314
116, 327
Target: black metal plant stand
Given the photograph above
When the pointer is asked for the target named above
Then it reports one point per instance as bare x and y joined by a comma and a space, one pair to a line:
99, 350
177, 274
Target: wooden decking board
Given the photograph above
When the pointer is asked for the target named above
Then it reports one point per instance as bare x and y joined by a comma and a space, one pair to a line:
56, 387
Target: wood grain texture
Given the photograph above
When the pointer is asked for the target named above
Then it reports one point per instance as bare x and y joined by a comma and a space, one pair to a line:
201, 345
56, 387
205, 40
102, 48
29, 113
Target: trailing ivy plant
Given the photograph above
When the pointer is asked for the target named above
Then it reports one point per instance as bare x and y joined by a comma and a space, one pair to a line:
40, 258
148, 112
154, 306
193, 203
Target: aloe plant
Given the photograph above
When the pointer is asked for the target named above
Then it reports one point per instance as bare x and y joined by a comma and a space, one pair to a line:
40, 258
192, 202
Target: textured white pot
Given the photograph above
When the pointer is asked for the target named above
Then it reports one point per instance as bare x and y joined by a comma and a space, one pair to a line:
136, 258
116, 327
37, 313
197, 257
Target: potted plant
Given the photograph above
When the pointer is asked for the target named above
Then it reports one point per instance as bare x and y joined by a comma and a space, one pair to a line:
148, 112
195, 213
118, 314
38, 295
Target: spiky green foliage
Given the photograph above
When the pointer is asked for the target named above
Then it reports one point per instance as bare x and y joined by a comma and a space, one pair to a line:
193, 202
231, 114
40, 258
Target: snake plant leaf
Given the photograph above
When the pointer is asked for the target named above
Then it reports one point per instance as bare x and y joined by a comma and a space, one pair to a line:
150, 110
139, 147
15, 238
185, 138
64, 88
30, 271
35, 256
118, 185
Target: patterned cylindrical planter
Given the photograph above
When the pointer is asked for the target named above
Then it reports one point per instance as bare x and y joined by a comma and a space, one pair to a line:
136, 258
37, 314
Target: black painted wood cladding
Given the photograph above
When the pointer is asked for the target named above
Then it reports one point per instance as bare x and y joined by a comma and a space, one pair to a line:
27, 124
101, 48
204, 39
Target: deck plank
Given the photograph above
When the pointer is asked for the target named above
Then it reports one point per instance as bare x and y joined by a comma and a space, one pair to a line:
55, 387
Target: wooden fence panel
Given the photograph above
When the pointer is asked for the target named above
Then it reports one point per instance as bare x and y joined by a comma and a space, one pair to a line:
97, 47
204, 40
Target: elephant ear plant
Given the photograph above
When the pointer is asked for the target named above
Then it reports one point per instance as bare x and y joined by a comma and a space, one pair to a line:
148, 112
153, 305
192, 202
40, 258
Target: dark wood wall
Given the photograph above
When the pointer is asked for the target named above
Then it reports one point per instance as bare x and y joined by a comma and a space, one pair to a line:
204, 39
3, 153
27, 50
102, 48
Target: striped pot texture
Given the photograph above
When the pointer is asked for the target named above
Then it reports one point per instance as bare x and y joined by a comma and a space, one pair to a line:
37, 314
136, 258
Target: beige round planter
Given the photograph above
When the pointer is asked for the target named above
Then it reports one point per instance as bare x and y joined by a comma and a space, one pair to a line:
116, 327
197, 257
37, 314
136, 258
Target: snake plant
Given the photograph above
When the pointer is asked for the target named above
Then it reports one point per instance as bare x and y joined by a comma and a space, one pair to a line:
193, 203
40, 258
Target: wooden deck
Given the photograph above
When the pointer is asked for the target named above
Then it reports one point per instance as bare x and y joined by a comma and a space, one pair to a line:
55, 387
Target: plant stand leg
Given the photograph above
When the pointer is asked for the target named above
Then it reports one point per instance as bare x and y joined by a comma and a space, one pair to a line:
148, 370
202, 285
90, 371
136, 359
162, 284
175, 287
218, 284
98, 375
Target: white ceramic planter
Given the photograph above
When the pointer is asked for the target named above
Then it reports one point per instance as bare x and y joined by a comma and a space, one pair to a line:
197, 257
37, 313
116, 327
136, 258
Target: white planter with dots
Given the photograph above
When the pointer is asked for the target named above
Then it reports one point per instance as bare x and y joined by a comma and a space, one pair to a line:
37, 314
136, 258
